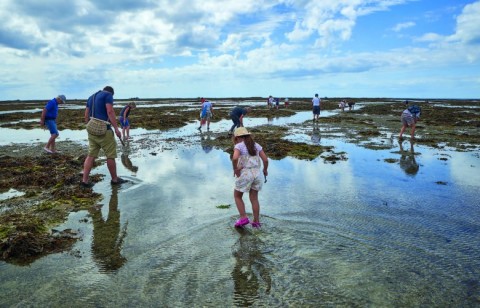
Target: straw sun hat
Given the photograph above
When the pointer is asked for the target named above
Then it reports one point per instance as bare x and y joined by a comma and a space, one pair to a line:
241, 131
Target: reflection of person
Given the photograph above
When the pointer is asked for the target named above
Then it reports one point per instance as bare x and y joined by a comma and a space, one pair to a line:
124, 121
49, 119
237, 114
128, 163
246, 160
102, 101
206, 114
407, 160
107, 236
409, 117
206, 142
316, 107
251, 270
316, 135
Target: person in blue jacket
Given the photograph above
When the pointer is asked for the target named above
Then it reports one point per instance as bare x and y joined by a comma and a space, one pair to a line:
49, 119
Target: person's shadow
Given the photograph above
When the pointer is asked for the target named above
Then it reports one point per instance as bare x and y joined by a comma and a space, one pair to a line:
407, 160
127, 163
206, 142
108, 236
251, 273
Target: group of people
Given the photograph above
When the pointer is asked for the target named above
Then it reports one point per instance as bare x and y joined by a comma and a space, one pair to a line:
274, 102
247, 160
99, 106
343, 104
409, 116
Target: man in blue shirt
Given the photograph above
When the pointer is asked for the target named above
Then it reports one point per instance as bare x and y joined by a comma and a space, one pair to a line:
49, 119
237, 115
100, 106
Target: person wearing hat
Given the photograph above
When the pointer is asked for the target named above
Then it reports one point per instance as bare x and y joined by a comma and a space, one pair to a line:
49, 119
247, 163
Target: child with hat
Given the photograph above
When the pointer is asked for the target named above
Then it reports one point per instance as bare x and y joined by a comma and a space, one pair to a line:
247, 161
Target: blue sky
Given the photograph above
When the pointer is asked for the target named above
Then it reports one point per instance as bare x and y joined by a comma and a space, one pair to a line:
231, 48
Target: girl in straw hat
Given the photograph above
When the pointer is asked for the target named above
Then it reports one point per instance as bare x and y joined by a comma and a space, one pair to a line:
246, 160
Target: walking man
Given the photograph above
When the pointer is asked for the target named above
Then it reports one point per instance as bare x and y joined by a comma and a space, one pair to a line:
101, 103
49, 119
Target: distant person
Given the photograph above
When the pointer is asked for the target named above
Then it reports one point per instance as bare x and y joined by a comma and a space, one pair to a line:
270, 102
342, 105
316, 107
409, 117
102, 104
237, 114
49, 119
286, 102
407, 160
351, 105
206, 114
247, 162
277, 102
124, 121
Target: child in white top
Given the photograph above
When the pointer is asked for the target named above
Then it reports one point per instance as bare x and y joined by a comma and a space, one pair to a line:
247, 161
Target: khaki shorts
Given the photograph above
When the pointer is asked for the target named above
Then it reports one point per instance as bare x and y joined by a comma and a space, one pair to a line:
107, 143
249, 179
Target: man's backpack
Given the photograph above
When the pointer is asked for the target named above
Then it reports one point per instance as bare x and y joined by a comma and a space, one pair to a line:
415, 110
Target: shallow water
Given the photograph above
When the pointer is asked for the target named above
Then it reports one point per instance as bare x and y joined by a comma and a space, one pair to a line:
361, 232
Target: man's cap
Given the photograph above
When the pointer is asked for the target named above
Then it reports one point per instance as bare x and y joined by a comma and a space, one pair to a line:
241, 131
62, 98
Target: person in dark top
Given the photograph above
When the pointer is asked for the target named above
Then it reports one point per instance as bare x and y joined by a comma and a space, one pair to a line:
49, 119
123, 119
100, 106
237, 114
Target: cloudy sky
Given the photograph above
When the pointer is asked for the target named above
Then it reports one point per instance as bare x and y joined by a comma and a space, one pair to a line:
240, 48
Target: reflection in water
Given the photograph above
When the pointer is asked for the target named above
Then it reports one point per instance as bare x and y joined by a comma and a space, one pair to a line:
127, 162
407, 160
251, 270
206, 142
316, 134
107, 236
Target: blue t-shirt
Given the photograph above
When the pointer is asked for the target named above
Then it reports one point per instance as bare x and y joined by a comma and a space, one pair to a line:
52, 109
102, 98
123, 111
239, 111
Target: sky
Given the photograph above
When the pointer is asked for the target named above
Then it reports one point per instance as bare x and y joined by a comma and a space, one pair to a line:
247, 48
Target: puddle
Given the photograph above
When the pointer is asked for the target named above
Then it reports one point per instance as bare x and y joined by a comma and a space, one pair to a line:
390, 225
10, 194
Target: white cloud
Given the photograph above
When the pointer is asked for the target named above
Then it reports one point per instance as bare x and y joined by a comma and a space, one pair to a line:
468, 25
399, 27
168, 46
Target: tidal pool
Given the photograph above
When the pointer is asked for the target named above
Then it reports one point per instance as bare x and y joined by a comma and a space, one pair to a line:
394, 227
